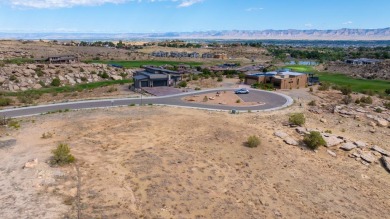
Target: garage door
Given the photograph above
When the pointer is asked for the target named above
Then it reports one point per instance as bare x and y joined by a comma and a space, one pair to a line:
160, 83
144, 84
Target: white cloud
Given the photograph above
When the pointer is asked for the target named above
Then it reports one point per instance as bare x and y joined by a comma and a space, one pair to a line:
45, 4
188, 3
309, 25
253, 9
347, 22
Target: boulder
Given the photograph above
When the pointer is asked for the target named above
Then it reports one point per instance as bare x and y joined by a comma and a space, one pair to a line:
381, 122
71, 81
360, 144
348, 146
333, 154
31, 66
2, 79
380, 150
323, 120
332, 140
302, 130
116, 77
28, 72
386, 163
367, 157
37, 86
290, 141
281, 134
31, 164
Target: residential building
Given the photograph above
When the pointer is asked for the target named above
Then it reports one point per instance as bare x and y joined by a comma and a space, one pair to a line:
282, 79
66, 59
362, 61
156, 77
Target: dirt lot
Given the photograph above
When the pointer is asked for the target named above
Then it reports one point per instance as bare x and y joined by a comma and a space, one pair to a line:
224, 98
155, 162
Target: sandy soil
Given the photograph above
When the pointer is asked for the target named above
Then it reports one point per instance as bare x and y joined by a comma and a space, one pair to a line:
223, 98
164, 162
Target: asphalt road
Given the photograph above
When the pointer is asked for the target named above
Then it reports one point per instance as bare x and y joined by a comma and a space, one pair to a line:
272, 101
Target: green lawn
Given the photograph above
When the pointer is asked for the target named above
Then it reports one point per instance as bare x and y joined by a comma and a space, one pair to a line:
356, 84
137, 64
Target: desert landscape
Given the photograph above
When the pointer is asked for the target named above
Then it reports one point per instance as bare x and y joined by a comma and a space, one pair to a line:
167, 162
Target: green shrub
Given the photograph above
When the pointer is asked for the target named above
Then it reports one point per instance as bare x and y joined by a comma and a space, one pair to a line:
198, 88
387, 105
347, 99
312, 103
238, 101
297, 119
14, 124
367, 100
5, 101
62, 155
346, 90
378, 110
314, 140
324, 86
55, 82
182, 84
387, 91
253, 141
220, 79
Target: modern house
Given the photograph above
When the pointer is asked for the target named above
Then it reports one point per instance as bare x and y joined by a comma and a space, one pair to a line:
207, 55
282, 79
362, 61
63, 59
156, 77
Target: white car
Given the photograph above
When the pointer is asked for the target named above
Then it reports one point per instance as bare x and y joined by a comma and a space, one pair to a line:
242, 91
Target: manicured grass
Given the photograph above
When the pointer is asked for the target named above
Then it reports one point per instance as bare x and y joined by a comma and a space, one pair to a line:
137, 64
67, 88
17, 61
357, 85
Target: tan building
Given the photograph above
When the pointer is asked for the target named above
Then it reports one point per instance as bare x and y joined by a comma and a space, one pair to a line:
280, 80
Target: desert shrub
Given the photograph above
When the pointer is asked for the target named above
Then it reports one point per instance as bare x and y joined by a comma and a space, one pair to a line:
62, 155
367, 100
312, 103
314, 140
328, 131
14, 124
104, 75
39, 72
253, 141
324, 86
5, 101
198, 88
182, 84
55, 82
238, 101
13, 78
132, 104
82, 70
195, 77
345, 90
368, 92
357, 101
310, 89
220, 79
205, 99
387, 105
347, 99
84, 79
378, 110
112, 89
47, 135
297, 119
387, 91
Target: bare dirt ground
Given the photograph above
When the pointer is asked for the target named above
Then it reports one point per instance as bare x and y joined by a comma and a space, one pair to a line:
164, 162
224, 98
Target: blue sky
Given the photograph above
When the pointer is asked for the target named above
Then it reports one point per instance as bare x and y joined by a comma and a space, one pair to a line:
146, 16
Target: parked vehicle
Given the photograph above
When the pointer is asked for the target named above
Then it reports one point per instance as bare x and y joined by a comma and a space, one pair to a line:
242, 91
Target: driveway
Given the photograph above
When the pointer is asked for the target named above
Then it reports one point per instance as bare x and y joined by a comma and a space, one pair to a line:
272, 101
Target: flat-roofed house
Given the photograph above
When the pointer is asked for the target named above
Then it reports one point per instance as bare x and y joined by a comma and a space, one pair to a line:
279, 79
156, 77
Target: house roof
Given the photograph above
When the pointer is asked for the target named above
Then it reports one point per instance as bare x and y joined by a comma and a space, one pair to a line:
140, 77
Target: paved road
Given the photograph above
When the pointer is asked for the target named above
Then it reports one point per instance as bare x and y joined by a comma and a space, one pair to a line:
272, 101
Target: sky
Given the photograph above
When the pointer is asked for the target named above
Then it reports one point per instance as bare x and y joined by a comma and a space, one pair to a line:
149, 16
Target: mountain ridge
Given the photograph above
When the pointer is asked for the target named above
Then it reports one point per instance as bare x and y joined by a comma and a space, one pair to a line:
288, 34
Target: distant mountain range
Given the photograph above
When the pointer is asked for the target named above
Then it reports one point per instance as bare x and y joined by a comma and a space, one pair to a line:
340, 34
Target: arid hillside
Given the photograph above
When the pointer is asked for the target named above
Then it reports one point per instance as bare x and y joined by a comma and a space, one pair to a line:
166, 162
